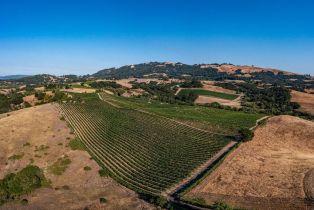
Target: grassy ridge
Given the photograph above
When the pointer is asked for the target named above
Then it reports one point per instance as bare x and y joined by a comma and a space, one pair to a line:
208, 93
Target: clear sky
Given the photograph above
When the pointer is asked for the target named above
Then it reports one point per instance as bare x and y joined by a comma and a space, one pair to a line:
80, 37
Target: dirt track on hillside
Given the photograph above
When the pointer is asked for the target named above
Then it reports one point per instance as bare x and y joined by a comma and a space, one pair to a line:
272, 165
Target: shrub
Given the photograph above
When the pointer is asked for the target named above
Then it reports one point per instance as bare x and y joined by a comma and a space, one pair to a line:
102, 200
76, 144
103, 172
59, 166
23, 182
24, 201
27, 105
221, 205
87, 168
246, 134
26, 144
199, 201
65, 187
16, 157
41, 148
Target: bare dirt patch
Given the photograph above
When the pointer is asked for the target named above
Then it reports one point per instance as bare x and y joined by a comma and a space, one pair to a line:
126, 82
31, 99
24, 131
210, 85
271, 166
225, 102
133, 92
306, 101
80, 90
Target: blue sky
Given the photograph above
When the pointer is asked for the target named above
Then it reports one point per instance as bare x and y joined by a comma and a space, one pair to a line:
80, 37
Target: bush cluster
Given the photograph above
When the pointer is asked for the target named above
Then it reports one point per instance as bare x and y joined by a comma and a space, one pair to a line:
12, 186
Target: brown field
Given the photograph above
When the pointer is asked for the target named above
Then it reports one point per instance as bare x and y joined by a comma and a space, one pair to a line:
306, 101
126, 82
41, 125
80, 90
269, 170
225, 102
31, 99
210, 85
133, 92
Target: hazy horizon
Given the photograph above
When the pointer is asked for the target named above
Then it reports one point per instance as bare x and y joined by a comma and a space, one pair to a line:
43, 72
73, 37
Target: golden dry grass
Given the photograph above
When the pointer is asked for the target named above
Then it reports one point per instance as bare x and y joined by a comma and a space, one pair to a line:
306, 101
272, 165
23, 131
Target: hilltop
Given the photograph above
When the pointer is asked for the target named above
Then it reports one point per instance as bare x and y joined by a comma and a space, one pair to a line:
12, 77
245, 69
204, 71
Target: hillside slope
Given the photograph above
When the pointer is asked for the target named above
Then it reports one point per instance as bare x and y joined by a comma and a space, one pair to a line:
272, 165
39, 137
202, 71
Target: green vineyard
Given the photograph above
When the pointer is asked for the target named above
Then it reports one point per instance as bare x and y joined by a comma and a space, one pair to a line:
145, 152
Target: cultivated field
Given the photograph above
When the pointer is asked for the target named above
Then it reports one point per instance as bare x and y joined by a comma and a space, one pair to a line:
36, 135
213, 120
204, 92
225, 102
145, 152
267, 172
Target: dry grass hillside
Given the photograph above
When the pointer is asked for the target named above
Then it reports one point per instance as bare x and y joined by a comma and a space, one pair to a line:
271, 167
230, 69
306, 101
37, 135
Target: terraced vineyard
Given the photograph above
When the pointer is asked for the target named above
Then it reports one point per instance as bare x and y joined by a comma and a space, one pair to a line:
145, 152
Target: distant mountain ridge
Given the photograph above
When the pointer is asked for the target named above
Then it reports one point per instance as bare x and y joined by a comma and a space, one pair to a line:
209, 71
13, 77
166, 69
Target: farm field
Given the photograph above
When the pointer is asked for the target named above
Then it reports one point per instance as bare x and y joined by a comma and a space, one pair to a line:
143, 151
273, 171
224, 102
209, 93
80, 89
223, 121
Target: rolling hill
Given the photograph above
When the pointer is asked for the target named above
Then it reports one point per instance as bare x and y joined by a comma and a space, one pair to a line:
13, 77
205, 71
